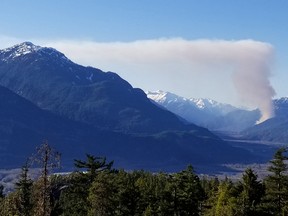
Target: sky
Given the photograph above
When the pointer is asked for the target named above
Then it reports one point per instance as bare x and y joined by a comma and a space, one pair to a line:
230, 51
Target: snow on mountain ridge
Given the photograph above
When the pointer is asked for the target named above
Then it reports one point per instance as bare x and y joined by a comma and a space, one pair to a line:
164, 97
20, 49
25, 48
199, 103
281, 100
202, 103
206, 112
280, 104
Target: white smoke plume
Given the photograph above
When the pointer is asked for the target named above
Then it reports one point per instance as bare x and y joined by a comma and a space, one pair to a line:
244, 63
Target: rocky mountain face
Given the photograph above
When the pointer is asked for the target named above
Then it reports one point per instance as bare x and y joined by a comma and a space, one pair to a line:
84, 110
206, 112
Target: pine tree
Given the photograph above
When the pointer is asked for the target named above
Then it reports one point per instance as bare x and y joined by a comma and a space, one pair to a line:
277, 184
155, 197
74, 198
128, 193
24, 187
1, 191
188, 193
225, 204
103, 195
251, 194
210, 187
93, 165
2, 203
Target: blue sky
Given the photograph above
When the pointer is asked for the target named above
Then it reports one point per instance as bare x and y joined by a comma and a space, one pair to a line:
64, 23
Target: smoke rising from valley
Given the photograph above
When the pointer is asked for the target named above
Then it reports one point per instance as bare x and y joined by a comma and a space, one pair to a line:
239, 69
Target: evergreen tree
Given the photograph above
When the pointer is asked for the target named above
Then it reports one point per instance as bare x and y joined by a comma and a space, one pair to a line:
58, 184
93, 165
226, 203
155, 196
103, 195
187, 192
223, 202
164, 194
1, 191
73, 198
210, 187
277, 184
129, 193
251, 194
24, 187
2, 203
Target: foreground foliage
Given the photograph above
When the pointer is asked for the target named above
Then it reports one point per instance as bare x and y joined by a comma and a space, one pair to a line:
100, 190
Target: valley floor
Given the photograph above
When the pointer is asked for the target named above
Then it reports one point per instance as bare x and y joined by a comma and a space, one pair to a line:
262, 150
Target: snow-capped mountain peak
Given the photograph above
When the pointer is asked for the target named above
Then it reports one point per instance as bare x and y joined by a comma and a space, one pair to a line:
26, 48
161, 96
19, 50
30, 55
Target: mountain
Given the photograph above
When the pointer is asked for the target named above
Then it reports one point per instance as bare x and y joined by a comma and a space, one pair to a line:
23, 126
274, 129
84, 110
47, 78
206, 112
171, 101
281, 107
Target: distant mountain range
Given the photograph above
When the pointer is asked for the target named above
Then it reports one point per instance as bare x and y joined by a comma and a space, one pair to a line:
82, 109
206, 112
226, 118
